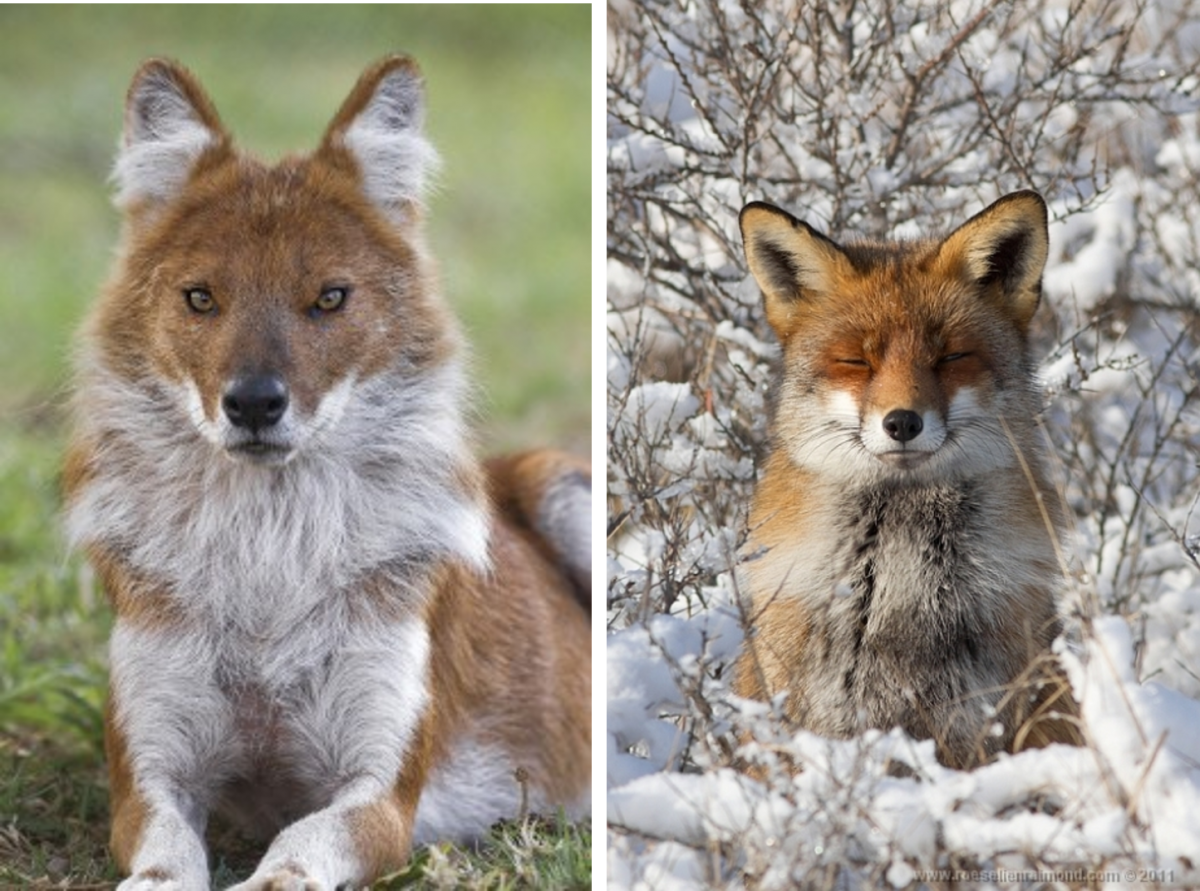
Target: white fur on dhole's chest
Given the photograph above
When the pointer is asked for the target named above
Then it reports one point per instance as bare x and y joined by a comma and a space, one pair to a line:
346, 707
292, 679
259, 547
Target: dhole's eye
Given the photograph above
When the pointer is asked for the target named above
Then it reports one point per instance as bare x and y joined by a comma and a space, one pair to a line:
330, 300
952, 357
199, 300
855, 363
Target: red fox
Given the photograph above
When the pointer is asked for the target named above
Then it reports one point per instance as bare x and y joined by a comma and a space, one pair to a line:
902, 561
332, 624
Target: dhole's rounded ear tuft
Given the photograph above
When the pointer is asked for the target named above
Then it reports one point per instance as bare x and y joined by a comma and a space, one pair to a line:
169, 124
1003, 250
380, 126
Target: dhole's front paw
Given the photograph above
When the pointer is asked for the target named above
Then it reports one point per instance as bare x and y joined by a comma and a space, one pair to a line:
287, 879
157, 880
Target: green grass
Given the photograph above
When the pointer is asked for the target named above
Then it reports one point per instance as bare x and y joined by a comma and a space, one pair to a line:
509, 109
527, 854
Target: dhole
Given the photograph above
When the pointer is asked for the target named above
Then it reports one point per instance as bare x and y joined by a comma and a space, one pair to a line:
331, 623
903, 537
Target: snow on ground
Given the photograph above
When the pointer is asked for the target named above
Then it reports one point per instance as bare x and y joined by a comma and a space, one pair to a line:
715, 104
1132, 800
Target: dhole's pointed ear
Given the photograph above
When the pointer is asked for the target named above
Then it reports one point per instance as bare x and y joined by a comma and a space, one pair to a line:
169, 124
1003, 249
380, 127
790, 260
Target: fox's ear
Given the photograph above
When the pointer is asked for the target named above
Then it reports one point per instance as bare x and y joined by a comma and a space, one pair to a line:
169, 124
380, 127
790, 260
1003, 249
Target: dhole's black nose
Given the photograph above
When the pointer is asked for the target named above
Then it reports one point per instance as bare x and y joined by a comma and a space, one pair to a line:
902, 425
256, 402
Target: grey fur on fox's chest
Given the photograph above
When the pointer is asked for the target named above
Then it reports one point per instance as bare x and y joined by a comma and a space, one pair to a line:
912, 614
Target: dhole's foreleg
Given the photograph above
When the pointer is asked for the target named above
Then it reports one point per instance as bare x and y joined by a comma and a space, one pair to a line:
365, 728
353, 734
549, 494
156, 763
365, 832
158, 842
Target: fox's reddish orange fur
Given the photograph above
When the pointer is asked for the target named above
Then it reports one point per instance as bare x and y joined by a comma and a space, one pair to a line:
903, 559
332, 623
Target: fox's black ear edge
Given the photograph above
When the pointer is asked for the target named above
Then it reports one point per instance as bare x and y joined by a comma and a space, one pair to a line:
763, 205
1022, 196
754, 207
766, 209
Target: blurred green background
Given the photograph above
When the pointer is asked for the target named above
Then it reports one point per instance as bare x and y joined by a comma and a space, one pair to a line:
508, 108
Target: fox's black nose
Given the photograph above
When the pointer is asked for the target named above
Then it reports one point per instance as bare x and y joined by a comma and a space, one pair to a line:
256, 402
902, 425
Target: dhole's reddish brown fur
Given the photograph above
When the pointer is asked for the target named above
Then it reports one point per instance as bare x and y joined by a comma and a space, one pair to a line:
332, 622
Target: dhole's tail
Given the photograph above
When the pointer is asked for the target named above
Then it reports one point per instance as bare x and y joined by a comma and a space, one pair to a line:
549, 495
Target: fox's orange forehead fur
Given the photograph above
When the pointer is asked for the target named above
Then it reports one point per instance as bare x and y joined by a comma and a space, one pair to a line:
895, 309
